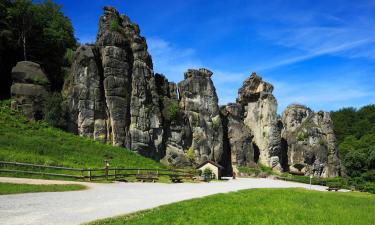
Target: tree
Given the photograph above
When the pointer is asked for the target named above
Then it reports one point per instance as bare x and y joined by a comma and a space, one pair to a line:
21, 16
37, 32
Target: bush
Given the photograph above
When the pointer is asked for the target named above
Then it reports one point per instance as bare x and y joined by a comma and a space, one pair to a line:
115, 24
171, 109
356, 162
301, 136
191, 155
55, 113
207, 173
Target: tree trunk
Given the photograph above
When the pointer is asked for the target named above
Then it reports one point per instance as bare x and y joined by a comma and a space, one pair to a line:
24, 47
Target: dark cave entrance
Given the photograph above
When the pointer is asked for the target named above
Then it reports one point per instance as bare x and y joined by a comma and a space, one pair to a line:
256, 152
284, 155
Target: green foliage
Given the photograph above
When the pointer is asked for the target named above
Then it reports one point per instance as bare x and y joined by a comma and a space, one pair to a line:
256, 170
257, 206
68, 57
37, 32
7, 188
55, 112
207, 172
190, 154
301, 136
115, 24
37, 142
171, 109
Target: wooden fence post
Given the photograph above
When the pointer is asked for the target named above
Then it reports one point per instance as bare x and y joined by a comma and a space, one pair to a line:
89, 174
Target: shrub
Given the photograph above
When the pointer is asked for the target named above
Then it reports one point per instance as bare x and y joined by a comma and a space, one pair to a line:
190, 155
115, 24
301, 136
68, 57
55, 113
207, 173
170, 110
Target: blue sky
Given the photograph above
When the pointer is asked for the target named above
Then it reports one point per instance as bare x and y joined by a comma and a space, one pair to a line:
319, 53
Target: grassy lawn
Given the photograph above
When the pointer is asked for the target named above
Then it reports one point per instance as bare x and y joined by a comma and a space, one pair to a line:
36, 142
261, 206
7, 188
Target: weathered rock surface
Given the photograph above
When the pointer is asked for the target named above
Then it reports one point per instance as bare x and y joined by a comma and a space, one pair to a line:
260, 116
114, 96
199, 102
29, 89
239, 136
310, 142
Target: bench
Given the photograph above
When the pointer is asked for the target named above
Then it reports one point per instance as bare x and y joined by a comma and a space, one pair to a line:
150, 176
332, 189
175, 178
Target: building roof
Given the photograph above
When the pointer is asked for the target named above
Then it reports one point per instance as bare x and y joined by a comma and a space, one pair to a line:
211, 162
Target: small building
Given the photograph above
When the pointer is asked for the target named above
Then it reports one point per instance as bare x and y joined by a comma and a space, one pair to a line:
213, 166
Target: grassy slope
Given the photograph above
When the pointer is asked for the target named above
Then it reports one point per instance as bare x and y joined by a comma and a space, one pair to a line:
7, 188
261, 206
36, 142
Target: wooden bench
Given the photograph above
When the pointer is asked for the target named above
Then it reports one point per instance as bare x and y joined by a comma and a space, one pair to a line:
150, 176
175, 178
332, 189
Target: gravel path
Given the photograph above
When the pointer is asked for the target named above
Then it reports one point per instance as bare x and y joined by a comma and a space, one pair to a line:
108, 200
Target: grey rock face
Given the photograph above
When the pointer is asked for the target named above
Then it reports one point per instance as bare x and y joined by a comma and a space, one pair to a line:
260, 116
199, 102
239, 136
310, 141
29, 89
112, 94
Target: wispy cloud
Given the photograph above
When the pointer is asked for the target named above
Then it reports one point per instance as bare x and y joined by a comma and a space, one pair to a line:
172, 60
333, 93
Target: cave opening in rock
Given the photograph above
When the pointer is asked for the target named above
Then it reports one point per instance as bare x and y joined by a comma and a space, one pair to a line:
284, 155
256, 152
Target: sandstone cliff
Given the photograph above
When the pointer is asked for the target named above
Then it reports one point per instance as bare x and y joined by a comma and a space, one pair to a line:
260, 116
112, 93
310, 142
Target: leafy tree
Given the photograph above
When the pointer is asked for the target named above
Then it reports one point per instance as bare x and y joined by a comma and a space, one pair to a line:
55, 112
21, 16
34, 31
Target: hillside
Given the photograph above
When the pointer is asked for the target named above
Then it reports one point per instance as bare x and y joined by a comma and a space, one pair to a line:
37, 142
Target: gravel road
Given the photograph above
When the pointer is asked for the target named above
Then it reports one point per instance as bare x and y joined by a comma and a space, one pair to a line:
108, 200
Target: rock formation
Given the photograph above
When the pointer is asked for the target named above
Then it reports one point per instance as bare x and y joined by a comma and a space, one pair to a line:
310, 142
260, 116
239, 137
29, 89
114, 96
112, 92
199, 102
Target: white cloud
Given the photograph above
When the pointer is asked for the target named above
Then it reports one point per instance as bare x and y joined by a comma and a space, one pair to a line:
172, 60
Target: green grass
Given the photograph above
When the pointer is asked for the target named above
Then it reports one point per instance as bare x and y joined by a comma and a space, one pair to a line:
37, 142
7, 188
257, 170
261, 206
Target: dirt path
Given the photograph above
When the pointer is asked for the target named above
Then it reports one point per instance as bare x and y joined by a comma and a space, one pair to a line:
108, 200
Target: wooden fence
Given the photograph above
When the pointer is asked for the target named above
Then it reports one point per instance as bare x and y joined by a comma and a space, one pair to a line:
86, 173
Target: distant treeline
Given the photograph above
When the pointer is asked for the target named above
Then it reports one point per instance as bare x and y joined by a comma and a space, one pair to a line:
355, 132
36, 32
